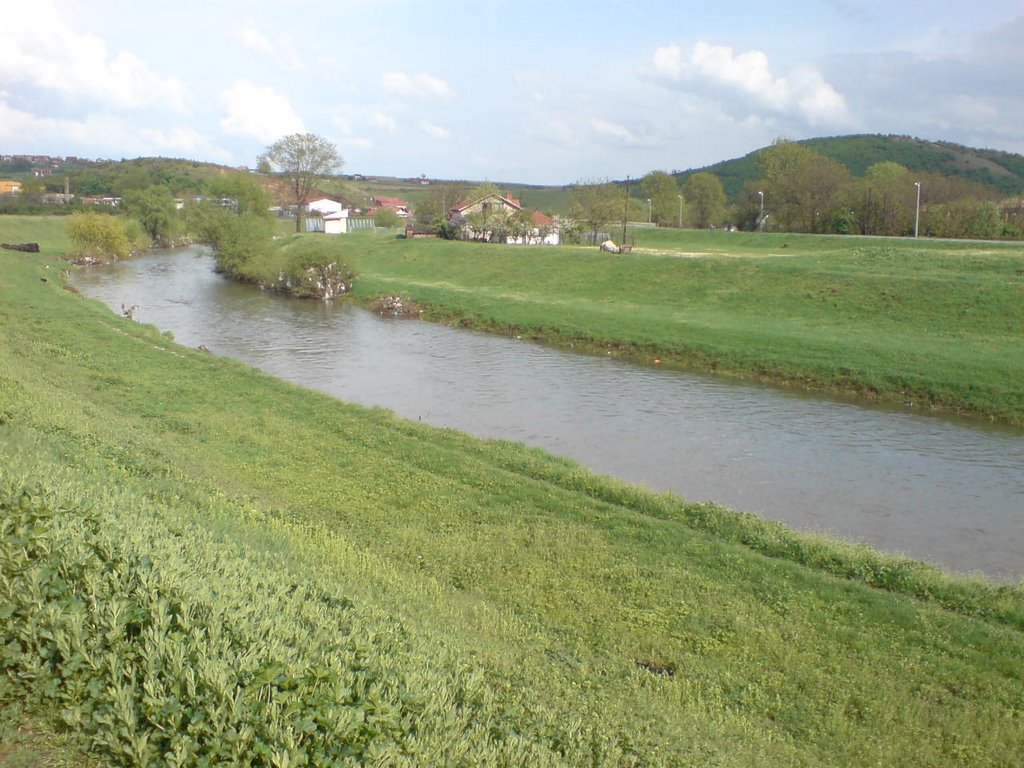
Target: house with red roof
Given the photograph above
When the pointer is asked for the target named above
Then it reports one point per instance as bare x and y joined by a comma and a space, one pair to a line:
502, 218
400, 207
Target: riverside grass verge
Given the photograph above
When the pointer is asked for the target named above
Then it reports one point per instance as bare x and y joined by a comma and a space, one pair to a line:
202, 564
934, 325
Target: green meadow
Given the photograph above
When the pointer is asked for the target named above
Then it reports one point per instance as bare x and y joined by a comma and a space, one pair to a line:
203, 565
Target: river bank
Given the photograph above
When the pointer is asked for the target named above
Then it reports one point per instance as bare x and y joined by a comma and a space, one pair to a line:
934, 326
927, 325
944, 490
495, 600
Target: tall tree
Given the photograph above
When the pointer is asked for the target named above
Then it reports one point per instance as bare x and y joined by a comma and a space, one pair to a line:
663, 192
245, 189
803, 185
595, 205
154, 209
303, 159
705, 199
881, 202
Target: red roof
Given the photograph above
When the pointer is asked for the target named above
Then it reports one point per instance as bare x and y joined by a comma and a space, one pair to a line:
508, 199
390, 202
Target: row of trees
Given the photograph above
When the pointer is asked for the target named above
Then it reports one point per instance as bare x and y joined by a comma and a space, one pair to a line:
797, 190
800, 190
596, 206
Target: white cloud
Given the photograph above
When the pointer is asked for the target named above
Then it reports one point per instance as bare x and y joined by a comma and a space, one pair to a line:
421, 84
387, 122
615, 131
259, 112
100, 135
41, 49
283, 52
435, 131
185, 141
747, 78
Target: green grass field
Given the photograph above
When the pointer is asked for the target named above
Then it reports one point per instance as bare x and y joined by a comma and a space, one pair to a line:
200, 564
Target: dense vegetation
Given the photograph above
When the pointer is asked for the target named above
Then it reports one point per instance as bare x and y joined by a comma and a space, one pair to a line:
842, 185
1002, 171
203, 565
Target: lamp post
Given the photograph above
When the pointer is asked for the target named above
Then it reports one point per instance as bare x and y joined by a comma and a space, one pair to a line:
680, 211
648, 210
917, 208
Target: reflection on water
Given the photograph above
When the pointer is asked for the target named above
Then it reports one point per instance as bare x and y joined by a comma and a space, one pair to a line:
940, 490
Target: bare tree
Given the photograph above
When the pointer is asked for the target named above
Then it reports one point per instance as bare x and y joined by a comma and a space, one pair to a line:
303, 159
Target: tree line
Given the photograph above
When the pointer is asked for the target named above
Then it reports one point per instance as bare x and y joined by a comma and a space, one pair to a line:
798, 189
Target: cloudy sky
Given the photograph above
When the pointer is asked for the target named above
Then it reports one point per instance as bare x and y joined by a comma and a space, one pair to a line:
530, 91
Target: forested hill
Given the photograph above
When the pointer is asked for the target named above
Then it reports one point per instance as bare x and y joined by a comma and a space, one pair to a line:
1003, 171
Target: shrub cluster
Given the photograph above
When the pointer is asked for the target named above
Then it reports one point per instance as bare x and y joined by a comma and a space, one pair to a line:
154, 660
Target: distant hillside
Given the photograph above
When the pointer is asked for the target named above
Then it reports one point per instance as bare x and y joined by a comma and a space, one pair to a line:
1003, 171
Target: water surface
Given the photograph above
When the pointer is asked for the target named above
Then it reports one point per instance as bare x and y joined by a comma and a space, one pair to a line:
946, 491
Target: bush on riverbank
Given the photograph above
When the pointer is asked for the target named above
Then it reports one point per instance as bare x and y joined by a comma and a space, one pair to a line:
437, 597
306, 266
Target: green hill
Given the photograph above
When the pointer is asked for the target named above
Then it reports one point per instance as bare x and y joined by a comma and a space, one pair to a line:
1002, 171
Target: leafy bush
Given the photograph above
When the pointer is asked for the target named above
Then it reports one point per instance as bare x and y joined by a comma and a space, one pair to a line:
98, 235
237, 238
150, 666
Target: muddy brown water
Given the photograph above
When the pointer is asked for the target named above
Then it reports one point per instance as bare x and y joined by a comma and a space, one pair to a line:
946, 491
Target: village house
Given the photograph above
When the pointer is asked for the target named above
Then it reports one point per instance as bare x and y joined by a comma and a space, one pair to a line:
487, 219
10, 187
400, 207
324, 206
327, 215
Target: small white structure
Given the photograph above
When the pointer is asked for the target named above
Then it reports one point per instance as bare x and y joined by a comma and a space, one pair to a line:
336, 223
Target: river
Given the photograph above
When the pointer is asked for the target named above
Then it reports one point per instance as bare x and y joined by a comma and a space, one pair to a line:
946, 491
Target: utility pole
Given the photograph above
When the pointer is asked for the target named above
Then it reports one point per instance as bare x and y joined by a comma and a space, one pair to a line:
917, 208
625, 212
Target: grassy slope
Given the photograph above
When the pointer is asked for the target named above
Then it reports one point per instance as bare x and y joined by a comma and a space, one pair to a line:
1000, 170
935, 323
487, 564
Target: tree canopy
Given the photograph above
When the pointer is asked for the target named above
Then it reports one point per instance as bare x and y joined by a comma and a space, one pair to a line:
303, 159
663, 192
595, 205
154, 209
705, 200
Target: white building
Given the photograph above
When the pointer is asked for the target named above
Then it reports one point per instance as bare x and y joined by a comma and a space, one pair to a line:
336, 223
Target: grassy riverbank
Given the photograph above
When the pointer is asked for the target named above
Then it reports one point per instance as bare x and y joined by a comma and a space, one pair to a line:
202, 561
936, 324
939, 326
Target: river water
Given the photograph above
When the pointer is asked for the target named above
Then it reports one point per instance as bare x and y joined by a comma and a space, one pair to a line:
945, 491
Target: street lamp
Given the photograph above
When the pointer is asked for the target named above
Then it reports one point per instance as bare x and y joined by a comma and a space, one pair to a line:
680, 211
917, 209
648, 210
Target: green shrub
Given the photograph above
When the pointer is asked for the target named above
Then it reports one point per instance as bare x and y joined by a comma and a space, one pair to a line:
98, 235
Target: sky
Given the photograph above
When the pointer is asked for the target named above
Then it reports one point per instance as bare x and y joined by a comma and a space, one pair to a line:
541, 92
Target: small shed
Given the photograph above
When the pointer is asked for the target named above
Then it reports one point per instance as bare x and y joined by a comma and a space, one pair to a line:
336, 223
